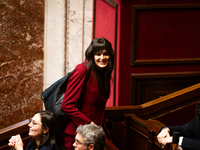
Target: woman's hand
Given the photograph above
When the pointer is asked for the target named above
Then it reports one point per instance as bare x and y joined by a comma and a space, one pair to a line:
12, 142
16, 143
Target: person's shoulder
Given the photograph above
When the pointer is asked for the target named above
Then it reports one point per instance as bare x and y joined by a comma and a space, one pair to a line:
196, 120
81, 68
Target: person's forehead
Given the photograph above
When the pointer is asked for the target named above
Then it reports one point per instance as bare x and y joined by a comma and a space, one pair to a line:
37, 117
79, 137
101, 51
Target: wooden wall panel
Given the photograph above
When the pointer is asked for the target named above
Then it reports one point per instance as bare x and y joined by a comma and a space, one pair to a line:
165, 34
148, 86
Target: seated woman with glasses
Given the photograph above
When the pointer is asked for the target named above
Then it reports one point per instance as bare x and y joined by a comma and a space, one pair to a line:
43, 129
89, 137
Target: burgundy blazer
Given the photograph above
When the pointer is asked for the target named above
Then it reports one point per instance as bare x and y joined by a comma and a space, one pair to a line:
89, 107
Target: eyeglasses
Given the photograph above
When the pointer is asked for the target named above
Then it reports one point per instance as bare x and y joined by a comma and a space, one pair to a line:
77, 142
33, 122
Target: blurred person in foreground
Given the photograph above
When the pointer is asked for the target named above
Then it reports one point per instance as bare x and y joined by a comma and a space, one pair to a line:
89, 137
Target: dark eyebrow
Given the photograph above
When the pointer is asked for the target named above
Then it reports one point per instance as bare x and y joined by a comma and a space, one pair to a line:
34, 121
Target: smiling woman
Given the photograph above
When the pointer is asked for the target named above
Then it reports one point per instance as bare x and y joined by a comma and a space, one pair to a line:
37, 129
88, 89
43, 129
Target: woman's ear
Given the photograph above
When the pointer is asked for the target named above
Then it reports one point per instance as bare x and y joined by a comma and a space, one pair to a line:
46, 130
91, 147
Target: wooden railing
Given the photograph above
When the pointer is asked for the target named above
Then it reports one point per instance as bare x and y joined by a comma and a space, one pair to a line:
158, 106
18, 128
139, 121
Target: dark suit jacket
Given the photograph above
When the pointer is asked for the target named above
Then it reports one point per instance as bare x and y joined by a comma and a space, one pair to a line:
44, 147
82, 110
190, 133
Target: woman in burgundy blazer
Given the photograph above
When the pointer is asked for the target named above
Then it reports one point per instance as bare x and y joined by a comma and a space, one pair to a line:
84, 102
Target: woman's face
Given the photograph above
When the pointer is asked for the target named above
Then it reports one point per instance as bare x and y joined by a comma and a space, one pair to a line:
35, 127
101, 59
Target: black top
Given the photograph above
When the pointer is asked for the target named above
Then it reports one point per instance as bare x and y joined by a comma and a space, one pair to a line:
44, 147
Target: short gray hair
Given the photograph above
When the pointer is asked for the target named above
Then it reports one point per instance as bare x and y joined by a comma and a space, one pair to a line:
92, 134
